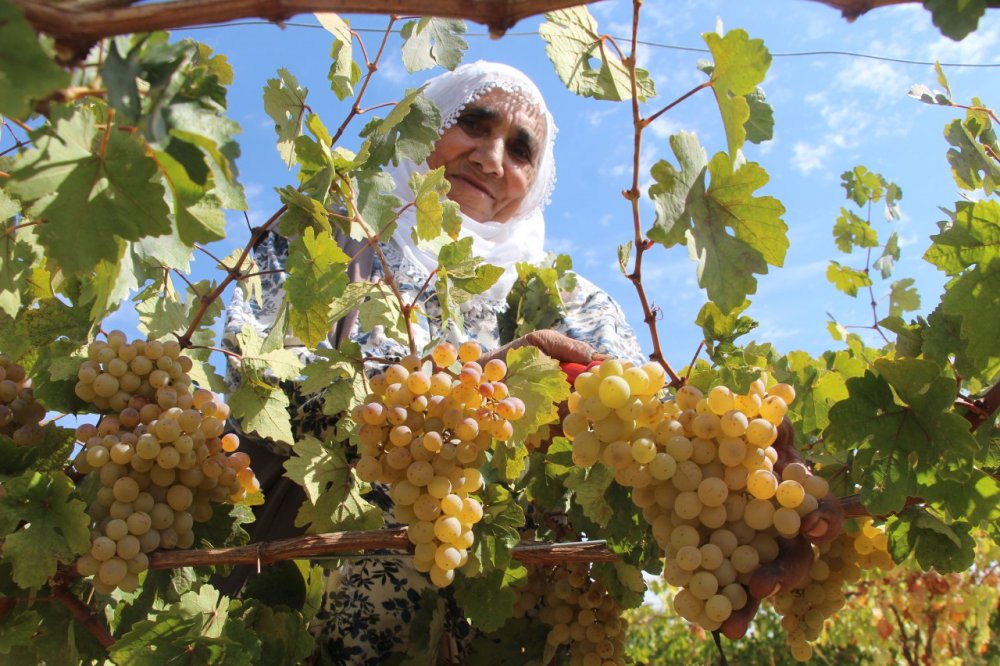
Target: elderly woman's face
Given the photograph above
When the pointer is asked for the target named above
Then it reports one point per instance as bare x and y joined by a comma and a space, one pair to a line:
490, 155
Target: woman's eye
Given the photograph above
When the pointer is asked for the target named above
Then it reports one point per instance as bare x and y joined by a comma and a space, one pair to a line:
470, 124
521, 153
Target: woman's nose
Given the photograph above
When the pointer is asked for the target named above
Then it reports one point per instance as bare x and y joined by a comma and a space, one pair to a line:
488, 156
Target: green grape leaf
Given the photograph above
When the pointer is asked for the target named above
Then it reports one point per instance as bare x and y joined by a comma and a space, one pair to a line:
333, 491
214, 135
27, 73
111, 283
931, 542
49, 456
303, 212
509, 645
285, 102
624, 256
197, 208
426, 628
434, 214
376, 205
589, 487
18, 261
535, 301
165, 317
339, 375
194, 630
956, 18
740, 64
432, 41
263, 361
922, 93
760, 125
817, 388
225, 527
721, 329
975, 499
77, 180
384, 311
573, 44
55, 527
19, 631
317, 274
262, 411
851, 231
904, 411
862, 185
460, 275
497, 533
344, 72
890, 255
687, 211
488, 601
539, 382
284, 636
847, 279
971, 166
968, 249
903, 297
410, 130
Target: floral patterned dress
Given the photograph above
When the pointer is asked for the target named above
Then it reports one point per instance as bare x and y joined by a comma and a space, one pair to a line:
369, 603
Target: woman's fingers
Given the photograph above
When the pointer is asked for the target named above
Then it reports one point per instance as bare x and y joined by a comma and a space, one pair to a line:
550, 343
735, 626
795, 558
826, 522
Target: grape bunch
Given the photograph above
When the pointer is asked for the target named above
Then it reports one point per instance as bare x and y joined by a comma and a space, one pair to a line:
20, 414
701, 468
161, 463
117, 370
426, 434
579, 610
841, 561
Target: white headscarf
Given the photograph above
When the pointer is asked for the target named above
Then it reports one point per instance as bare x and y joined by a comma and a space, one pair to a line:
521, 238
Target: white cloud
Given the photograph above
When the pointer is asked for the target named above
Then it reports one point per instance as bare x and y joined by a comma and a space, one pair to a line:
974, 49
807, 158
884, 79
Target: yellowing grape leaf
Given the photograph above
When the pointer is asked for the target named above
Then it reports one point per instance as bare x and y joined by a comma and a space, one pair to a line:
740, 64
428, 42
573, 44
344, 72
317, 274
731, 233
333, 491
285, 102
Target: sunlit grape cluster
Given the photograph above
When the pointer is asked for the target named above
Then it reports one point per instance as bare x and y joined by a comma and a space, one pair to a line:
581, 613
835, 564
161, 462
701, 468
116, 370
20, 414
426, 434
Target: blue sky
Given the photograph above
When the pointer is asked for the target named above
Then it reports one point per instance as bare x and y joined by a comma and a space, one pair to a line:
832, 113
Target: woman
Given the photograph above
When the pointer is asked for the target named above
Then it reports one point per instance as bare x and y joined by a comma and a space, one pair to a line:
496, 147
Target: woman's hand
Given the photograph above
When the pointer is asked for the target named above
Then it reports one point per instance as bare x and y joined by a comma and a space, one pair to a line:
795, 556
556, 345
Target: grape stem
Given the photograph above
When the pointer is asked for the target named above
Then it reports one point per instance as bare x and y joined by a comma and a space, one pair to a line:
83, 614
269, 552
641, 242
233, 275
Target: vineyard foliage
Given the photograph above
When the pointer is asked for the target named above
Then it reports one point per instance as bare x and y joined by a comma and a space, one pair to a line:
117, 167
